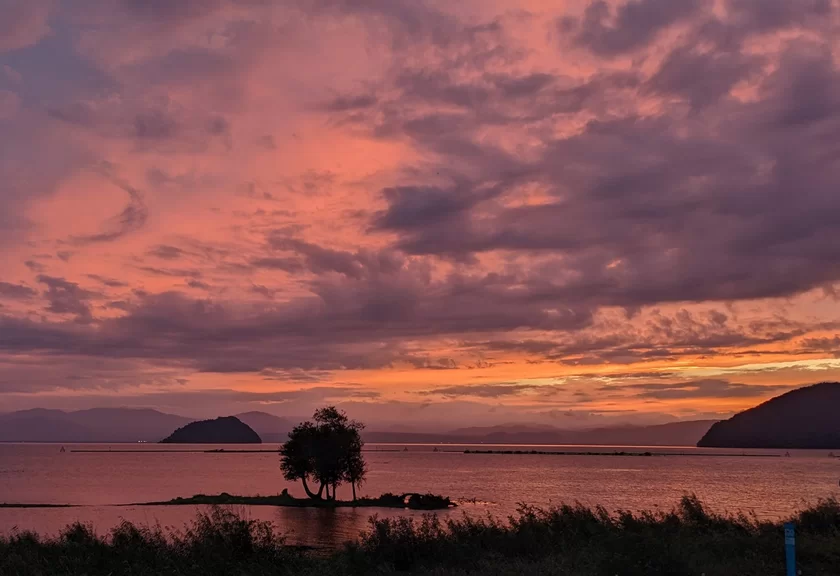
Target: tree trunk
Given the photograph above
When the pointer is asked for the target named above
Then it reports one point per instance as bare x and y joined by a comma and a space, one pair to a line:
309, 492
327, 495
353, 484
334, 490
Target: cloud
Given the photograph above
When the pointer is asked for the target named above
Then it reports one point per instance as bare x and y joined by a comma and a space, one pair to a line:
132, 218
699, 389
166, 252
633, 24
593, 194
481, 390
15, 291
109, 282
24, 22
67, 297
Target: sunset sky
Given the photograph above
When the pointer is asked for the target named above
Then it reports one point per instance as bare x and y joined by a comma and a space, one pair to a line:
431, 213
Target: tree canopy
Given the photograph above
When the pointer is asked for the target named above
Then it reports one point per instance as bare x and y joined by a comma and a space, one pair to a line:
326, 451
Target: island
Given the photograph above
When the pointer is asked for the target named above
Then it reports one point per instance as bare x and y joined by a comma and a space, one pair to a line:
224, 430
805, 418
411, 501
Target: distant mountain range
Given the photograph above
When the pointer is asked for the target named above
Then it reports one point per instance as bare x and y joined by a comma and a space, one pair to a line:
133, 425
672, 434
117, 425
96, 425
803, 418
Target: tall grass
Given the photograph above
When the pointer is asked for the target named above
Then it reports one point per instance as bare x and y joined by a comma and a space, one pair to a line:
566, 540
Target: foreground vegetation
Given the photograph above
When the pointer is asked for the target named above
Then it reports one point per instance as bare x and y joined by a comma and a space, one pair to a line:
411, 501
568, 541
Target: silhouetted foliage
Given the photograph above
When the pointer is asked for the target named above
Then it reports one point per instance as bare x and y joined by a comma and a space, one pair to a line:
327, 451
387, 500
561, 541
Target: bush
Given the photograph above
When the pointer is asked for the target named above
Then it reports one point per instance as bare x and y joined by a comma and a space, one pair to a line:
564, 540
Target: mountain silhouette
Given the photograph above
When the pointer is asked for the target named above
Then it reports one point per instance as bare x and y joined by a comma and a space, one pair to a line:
95, 425
271, 428
671, 434
133, 425
803, 418
223, 430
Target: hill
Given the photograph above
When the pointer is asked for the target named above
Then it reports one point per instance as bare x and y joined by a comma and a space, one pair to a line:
224, 430
802, 418
95, 425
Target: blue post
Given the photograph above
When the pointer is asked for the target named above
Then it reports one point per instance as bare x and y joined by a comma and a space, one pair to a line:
790, 549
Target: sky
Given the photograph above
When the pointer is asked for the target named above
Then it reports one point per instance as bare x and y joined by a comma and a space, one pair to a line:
430, 213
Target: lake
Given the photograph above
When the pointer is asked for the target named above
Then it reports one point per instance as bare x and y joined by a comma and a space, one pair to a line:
103, 483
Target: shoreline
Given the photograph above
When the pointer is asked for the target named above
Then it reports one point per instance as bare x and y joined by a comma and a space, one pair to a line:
406, 501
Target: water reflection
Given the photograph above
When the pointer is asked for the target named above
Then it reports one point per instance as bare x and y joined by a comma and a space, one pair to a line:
320, 527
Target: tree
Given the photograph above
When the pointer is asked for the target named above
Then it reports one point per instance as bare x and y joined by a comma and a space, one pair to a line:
327, 451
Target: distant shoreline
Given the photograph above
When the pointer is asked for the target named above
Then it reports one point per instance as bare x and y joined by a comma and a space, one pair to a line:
637, 454
625, 453
13, 505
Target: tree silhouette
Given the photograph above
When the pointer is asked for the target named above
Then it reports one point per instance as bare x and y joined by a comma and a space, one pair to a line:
327, 451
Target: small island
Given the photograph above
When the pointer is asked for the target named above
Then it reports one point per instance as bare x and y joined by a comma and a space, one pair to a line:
224, 430
325, 452
411, 501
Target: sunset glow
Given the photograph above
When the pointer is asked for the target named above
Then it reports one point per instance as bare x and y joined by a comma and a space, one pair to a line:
428, 213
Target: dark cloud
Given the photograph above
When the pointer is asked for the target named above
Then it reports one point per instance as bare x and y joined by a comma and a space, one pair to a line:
109, 282
67, 297
132, 218
164, 11
16, 291
173, 272
699, 389
481, 390
736, 202
155, 125
34, 265
24, 22
287, 264
355, 319
349, 103
166, 252
264, 291
760, 16
419, 207
702, 78
634, 24
405, 21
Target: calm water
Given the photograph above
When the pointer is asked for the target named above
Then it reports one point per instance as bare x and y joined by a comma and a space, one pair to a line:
103, 483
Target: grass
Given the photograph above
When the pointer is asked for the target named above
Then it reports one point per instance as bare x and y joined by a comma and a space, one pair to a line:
387, 500
567, 541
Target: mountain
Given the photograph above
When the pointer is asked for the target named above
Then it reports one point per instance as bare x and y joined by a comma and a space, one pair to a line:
41, 425
271, 428
671, 434
95, 425
132, 425
803, 418
223, 430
